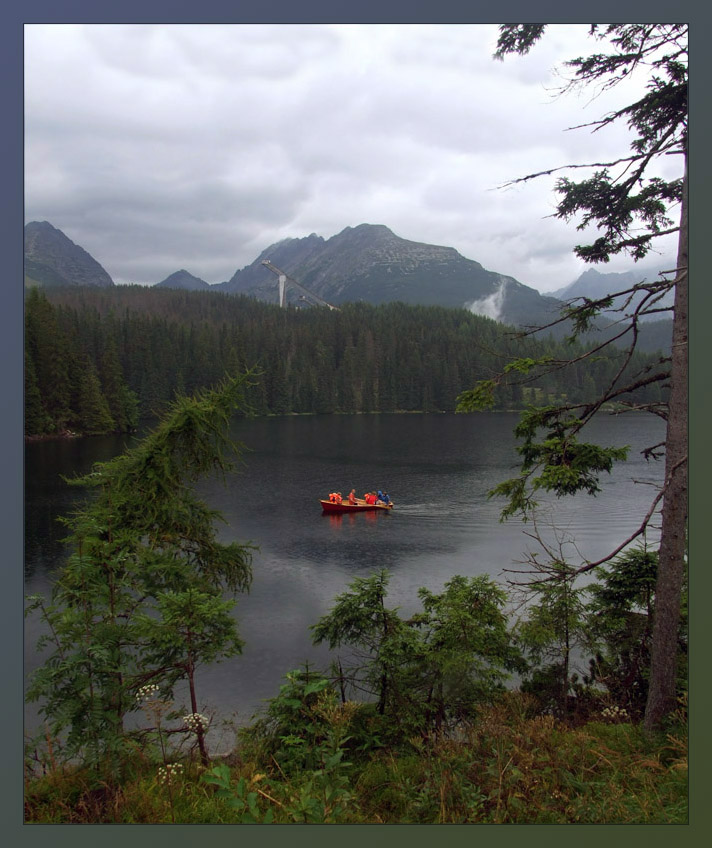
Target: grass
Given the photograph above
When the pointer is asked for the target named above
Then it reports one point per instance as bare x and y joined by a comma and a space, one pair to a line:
508, 767
533, 771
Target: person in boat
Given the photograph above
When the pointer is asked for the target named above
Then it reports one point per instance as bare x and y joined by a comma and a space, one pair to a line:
335, 497
386, 499
379, 497
352, 497
370, 498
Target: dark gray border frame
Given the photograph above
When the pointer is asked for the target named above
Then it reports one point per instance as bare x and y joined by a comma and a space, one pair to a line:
11, 514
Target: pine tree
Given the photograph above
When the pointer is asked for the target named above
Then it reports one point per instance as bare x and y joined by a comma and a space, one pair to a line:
121, 401
37, 422
93, 414
144, 546
630, 209
50, 352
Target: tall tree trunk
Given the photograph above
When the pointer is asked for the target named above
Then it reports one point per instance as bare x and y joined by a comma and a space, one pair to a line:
668, 590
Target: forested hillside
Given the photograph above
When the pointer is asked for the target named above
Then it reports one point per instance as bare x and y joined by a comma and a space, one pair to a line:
99, 359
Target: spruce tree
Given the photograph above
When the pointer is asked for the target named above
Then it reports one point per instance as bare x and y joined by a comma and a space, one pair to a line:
93, 414
144, 545
121, 401
51, 353
37, 422
631, 208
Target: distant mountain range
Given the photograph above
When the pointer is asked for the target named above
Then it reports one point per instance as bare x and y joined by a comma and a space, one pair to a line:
364, 263
593, 284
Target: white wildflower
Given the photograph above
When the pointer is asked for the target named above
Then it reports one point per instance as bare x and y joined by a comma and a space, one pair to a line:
170, 772
196, 721
614, 713
147, 691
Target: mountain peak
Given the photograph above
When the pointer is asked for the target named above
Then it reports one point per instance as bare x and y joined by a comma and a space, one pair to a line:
370, 263
39, 225
368, 228
52, 259
183, 280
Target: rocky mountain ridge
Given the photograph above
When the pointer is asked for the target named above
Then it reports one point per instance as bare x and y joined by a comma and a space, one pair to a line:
371, 263
52, 259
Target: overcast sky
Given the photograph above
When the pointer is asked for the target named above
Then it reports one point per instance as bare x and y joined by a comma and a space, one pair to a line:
161, 147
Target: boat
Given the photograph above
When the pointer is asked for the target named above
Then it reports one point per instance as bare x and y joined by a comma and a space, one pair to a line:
359, 506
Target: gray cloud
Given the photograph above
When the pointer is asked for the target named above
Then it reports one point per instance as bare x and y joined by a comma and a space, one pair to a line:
159, 147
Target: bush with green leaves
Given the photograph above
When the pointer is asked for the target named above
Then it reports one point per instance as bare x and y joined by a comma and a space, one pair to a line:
297, 723
621, 614
431, 669
552, 628
302, 739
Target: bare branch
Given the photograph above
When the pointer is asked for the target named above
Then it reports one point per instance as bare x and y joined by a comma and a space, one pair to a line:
643, 527
550, 171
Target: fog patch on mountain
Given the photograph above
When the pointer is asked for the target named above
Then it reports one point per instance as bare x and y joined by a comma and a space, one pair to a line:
490, 306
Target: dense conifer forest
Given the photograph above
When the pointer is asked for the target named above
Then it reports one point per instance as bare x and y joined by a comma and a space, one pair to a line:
98, 360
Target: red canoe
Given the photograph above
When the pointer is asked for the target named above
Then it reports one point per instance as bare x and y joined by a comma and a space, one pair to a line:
361, 506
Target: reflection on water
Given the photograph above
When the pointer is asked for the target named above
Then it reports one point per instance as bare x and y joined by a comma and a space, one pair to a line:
437, 468
336, 518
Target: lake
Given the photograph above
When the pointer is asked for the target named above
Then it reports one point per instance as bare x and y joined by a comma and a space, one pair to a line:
437, 469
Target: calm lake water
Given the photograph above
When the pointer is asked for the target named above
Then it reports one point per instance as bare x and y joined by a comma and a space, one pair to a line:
437, 469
